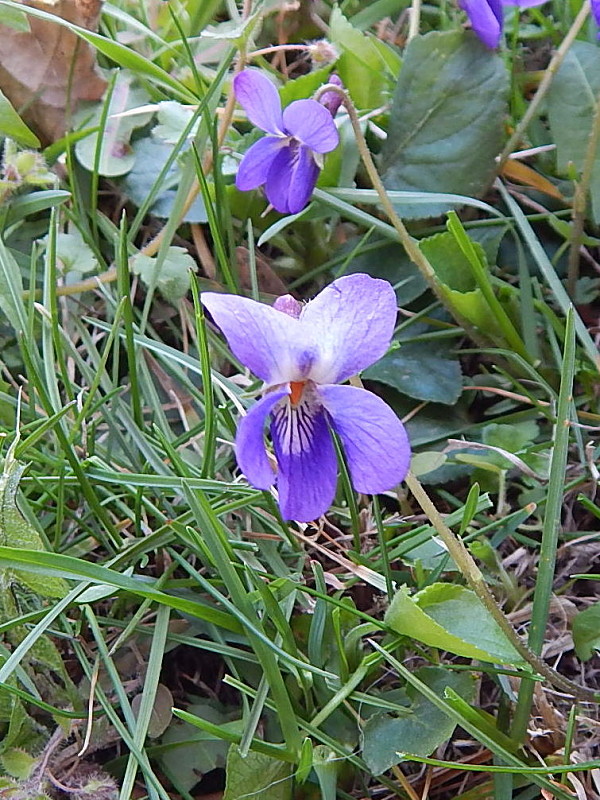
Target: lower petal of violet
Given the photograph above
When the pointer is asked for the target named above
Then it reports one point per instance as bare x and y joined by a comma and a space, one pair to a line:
291, 179
257, 162
306, 459
374, 440
250, 442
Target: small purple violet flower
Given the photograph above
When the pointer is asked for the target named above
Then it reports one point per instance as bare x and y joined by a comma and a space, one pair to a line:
301, 353
596, 12
487, 18
288, 160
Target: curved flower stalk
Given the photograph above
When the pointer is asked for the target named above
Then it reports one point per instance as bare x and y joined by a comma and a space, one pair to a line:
486, 17
288, 160
302, 353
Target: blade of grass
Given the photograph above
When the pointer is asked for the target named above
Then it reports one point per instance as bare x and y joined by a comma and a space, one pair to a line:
549, 274
551, 525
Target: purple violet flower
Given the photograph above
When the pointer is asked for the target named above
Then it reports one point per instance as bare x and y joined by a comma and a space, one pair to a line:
596, 12
288, 160
301, 352
487, 19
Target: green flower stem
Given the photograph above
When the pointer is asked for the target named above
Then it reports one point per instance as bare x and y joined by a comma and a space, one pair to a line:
473, 576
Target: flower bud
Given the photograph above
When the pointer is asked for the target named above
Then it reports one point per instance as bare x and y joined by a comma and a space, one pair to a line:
322, 53
332, 100
288, 305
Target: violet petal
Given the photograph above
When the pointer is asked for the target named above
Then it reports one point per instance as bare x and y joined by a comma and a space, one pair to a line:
352, 321
259, 99
486, 19
312, 124
250, 449
374, 440
257, 162
524, 3
263, 339
291, 179
596, 10
306, 459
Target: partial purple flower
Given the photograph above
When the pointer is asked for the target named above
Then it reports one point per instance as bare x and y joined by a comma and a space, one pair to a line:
301, 353
596, 12
288, 160
487, 18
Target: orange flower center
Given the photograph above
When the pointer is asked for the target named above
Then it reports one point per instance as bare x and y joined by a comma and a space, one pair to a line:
296, 389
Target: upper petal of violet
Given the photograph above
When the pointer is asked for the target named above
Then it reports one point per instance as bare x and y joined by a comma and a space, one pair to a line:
265, 340
486, 19
291, 179
596, 10
250, 449
352, 321
260, 100
257, 162
312, 124
374, 440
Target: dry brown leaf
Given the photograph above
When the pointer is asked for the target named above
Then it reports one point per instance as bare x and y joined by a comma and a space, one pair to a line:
522, 173
268, 280
47, 71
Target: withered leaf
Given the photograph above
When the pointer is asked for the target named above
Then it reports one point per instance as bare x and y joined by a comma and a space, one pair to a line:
46, 71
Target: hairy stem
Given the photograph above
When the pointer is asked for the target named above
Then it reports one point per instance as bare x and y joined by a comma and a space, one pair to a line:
410, 245
473, 576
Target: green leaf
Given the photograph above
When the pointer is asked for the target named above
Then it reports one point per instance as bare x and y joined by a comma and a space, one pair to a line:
73, 254
162, 713
451, 618
417, 370
458, 288
173, 278
11, 290
21, 207
16, 531
362, 66
586, 632
13, 127
173, 118
421, 730
150, 158
304, 86
18, 763
427, 461
192, 753
116, 155
381, 259
446, 122
257, 775
571, 105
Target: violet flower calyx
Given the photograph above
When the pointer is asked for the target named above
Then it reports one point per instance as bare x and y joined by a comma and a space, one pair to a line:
286, 161
302, 353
